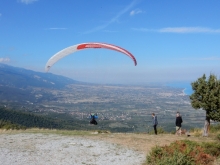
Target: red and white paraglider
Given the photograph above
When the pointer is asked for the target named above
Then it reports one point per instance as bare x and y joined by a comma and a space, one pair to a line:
72, 49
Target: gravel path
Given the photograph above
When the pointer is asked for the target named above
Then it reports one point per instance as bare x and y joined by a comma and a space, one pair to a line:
41, 149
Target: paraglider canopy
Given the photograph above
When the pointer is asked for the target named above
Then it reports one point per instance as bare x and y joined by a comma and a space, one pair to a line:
72, 49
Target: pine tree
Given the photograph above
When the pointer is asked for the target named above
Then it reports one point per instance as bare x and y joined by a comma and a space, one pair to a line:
206, 96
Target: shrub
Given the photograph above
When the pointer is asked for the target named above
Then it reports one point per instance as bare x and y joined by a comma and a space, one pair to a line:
103, 131
218, 137
212, 148
160, 130
180, 153
196, 132
214, 128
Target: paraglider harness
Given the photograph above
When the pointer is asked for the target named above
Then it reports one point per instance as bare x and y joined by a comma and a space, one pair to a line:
93, 117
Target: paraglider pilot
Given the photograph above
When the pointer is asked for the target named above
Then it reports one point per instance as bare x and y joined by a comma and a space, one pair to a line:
93, 117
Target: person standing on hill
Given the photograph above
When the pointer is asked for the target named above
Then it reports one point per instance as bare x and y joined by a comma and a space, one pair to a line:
154, 121
178, 123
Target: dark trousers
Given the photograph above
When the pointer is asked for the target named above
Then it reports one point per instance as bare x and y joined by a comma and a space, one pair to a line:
155, 129
93, 121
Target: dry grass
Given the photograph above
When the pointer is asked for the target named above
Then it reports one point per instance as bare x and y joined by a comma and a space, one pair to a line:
144, 142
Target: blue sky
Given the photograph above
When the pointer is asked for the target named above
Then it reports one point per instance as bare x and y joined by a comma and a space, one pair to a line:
171, 40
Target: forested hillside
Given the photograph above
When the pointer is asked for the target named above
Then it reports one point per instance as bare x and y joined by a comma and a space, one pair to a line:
11, 119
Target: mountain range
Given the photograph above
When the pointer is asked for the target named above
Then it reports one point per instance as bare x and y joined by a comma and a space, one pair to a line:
23, 78
17, 84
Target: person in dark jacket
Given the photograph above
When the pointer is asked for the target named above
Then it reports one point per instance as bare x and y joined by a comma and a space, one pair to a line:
178, 123
154, 122
93, 117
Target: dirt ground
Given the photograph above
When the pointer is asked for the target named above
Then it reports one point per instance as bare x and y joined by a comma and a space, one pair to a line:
78, 147
51, 149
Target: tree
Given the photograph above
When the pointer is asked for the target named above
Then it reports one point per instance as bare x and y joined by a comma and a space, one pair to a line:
206, 96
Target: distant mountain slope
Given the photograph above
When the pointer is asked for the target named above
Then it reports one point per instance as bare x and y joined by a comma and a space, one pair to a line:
22, 78
20, 85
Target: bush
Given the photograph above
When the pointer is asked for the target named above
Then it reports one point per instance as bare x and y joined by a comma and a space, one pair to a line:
212, 148
160, 130
103, 131
180, 153
196, 132
218, 137
214, 128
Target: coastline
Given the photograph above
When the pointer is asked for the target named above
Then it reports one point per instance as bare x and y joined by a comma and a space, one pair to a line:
185, 86
188, 91
184, 92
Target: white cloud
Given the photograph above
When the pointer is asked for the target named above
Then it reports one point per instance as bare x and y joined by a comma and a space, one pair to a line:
114, 19
136, 11
0, 14
27, 1
180, 30
3, 60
